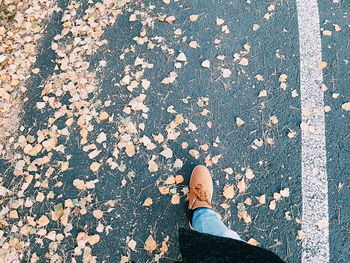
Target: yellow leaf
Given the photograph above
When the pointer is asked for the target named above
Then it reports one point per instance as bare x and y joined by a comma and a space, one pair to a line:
175, 199
148, 202
225, 205
43, 221
164, 247
285, 192
103, 116
163, 190
97, 213
93, 239
194, 153
244, 62
272, 205
346, 106
179, 179
170, 180
64, 166
13, 214
282, 78
253, 242
150, 244
130, 149
261, 199
249, 174
64, 217
132, 244
239, 122
229, 191
170, 19
241, 186
194, 18
321, 64
244, 215
95, 166
152, 165
248, 201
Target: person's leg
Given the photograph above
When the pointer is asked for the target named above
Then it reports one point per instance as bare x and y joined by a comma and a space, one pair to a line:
205, 220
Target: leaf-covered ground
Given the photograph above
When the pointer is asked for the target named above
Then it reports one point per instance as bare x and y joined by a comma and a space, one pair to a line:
122, 100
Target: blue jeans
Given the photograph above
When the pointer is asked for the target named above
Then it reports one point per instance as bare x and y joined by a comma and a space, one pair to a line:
205, 220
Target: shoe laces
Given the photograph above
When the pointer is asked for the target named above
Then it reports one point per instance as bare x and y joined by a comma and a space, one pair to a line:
201, 193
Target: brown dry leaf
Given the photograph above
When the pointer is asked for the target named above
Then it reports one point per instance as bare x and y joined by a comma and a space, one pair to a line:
97, 213
253, 242
241, 185
43, 221
95, 166
179, 179
148, 202
150, 244
321, 64
175, 199
229, 191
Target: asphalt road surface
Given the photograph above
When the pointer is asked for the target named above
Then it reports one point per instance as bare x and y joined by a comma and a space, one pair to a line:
257, 79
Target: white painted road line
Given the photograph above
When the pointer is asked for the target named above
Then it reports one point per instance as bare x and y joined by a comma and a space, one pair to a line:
314, 174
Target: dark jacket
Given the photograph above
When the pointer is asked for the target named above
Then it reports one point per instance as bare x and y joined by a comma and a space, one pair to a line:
197, 247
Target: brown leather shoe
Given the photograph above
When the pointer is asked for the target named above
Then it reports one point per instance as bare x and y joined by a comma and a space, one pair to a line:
201, 188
